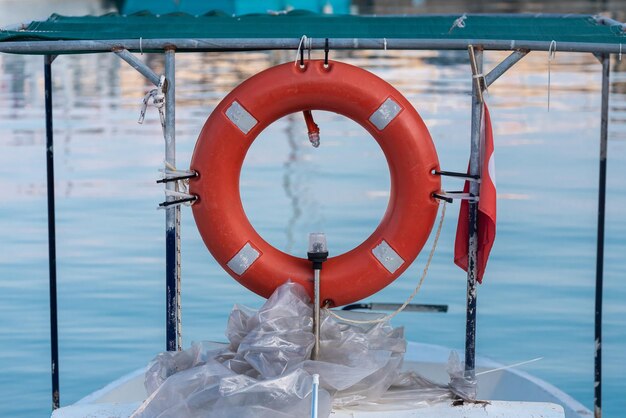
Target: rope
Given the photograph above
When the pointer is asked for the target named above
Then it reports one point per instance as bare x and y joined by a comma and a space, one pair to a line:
510, 366
551, 57
482, 82
181, 187
619, 56
415, 291
458, 23
158, 101
305, 43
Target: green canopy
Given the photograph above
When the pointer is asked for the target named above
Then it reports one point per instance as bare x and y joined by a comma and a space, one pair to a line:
217, 25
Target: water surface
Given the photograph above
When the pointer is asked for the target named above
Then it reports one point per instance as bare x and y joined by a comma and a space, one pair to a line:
537, 300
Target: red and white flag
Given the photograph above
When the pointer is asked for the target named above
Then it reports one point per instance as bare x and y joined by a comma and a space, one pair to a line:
486, 206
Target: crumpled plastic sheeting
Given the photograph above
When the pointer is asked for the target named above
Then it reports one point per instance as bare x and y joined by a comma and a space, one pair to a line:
266, 369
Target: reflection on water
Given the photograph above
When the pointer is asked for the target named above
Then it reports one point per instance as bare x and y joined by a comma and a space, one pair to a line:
106, 166
291, 183
538, 295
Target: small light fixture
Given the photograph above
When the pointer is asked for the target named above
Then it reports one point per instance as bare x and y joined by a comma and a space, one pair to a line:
318, 249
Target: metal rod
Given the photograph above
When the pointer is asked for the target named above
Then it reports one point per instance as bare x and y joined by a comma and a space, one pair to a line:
52, 260
316, 314
474, 188
178, 201
172, 216
607, 21
456, 174
175, 179
138, 65
442, 197
504, 66
411, 307
245, 44
604, 122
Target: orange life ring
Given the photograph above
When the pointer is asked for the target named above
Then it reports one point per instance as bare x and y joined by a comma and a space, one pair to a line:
351, 92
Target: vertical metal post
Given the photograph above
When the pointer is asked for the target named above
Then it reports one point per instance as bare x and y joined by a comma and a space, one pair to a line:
316, 313
172, 215
604, 121
474, 169
52, 257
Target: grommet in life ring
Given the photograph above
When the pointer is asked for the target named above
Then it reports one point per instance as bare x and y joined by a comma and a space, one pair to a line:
344, 89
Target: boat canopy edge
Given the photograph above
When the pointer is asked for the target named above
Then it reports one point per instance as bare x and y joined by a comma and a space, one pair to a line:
147, 32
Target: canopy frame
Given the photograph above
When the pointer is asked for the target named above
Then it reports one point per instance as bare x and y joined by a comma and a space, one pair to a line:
122, 48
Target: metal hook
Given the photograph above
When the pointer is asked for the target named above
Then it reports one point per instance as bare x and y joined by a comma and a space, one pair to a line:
551, 57
326, 50
309, 41
552, 50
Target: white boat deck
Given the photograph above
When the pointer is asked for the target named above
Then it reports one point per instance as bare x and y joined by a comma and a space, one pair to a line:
511, 394
495, 409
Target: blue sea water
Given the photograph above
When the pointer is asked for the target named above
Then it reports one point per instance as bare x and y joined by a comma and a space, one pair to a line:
538, 295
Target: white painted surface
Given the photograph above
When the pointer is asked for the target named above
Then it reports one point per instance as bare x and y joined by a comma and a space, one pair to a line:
512, 394
496, 409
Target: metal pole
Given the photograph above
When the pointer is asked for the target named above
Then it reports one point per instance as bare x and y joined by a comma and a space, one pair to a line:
258, 44
52, 257
474, 169
504, 66
172, 216
138, 65
316, 314
604, 121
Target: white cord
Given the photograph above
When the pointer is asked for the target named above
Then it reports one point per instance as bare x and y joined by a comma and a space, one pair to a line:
158, 101
176, 193
483, 83
458, 23
415, 291
509, 366
181, 189
305, 43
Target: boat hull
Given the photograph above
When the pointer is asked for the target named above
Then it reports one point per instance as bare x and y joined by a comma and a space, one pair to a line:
511, 393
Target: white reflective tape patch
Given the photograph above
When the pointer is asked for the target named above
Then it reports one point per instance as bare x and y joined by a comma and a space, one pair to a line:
243, 259
387, 256
240, 117
385, 114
